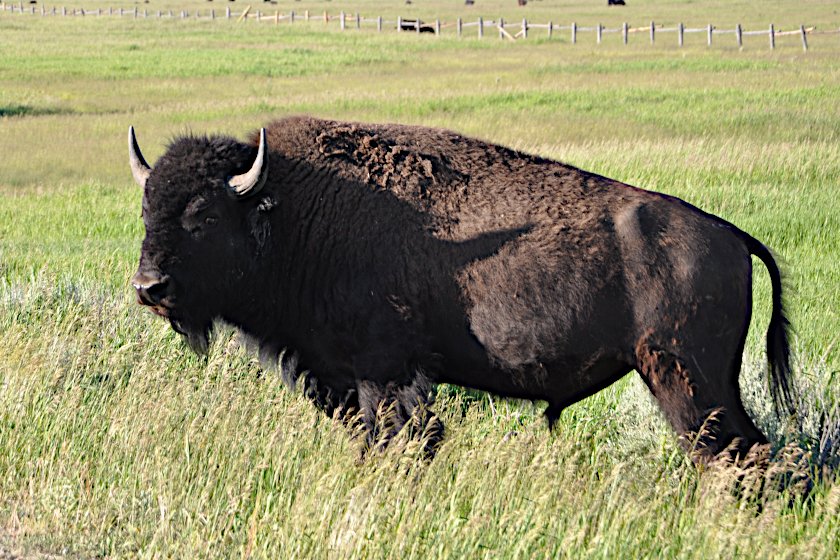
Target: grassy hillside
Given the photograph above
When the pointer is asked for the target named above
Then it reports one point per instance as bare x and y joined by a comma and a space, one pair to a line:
115, 441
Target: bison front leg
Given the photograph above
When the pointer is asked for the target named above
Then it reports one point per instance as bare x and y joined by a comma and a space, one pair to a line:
341, 403
390, 407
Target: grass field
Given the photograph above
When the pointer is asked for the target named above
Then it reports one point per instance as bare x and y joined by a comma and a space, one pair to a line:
116, 441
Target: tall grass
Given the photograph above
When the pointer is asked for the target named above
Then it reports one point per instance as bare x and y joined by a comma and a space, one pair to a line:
116, 441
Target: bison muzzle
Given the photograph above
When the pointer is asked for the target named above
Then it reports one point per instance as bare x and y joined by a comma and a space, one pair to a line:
384, 259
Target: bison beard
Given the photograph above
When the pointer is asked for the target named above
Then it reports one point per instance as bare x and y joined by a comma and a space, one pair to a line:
382, 259
197, 336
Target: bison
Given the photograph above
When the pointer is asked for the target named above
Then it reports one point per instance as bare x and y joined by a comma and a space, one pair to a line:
384, 259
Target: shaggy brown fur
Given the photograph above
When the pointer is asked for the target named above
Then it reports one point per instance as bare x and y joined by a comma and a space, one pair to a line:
390, 257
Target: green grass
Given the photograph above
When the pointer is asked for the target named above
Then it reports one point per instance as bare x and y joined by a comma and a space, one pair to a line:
116, 441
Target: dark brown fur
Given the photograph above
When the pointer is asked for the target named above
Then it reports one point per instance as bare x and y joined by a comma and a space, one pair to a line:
390, 257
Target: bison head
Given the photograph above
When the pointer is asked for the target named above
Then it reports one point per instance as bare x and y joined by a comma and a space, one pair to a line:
199, 209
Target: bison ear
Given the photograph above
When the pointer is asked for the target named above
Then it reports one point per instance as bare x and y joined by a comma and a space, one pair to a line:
139, 168
260, 223
252, 181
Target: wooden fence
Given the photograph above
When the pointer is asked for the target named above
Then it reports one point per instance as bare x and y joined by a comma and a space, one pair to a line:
504, 30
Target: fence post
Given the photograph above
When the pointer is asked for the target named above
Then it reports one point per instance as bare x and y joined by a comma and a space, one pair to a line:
480, 27
306, 16
227, 12
681, 33
652, 33
624, 32
342, 20
574, 33
135, 12
772, 37
550, 29
379, 24
524, 28
417, 26
358, 21
63, 11
459, 26
804, 38
599, 32
399, 24
739, 36
709, 31
326, 17
437, 28
501, 26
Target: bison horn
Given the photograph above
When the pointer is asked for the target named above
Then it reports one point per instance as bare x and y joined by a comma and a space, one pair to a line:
254, 179
139, 168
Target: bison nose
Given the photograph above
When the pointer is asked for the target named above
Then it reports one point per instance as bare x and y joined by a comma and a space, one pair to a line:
151, 287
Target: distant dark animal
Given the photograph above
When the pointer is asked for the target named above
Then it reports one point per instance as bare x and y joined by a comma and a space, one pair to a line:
615, 2
469, 2
387, 258
411, 25
522, 2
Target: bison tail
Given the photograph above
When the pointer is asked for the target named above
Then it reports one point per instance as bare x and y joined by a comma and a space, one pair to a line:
778, 346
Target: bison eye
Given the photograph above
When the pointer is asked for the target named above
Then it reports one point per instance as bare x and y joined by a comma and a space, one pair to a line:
210, 220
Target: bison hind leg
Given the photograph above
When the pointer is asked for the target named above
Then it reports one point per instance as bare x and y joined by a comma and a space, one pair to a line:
699, 394
387, 409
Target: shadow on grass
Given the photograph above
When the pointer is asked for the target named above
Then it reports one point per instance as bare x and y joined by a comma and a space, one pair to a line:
29, 111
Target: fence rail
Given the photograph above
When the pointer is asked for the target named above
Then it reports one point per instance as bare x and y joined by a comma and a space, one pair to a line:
356, 21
